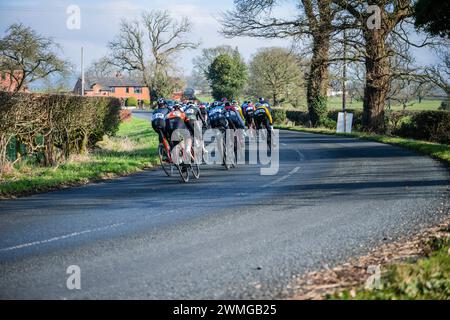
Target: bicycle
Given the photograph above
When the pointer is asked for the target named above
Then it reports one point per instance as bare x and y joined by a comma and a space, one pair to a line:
165, 157
167, 163
185, 168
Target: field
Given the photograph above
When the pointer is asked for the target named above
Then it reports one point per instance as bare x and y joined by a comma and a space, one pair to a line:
335, 103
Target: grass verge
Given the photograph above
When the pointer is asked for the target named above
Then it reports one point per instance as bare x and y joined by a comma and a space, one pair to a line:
425, 279
132, 149
435, 150
413, 267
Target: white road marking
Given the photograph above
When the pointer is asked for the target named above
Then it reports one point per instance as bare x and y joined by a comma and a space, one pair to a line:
301, 156
293, 171
70, 235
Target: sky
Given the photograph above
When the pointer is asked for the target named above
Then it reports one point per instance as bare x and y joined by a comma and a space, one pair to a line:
100, 23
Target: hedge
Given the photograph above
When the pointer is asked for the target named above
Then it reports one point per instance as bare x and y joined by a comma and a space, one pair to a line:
125, 115
426, 125
131, 102
52, 127
431, 126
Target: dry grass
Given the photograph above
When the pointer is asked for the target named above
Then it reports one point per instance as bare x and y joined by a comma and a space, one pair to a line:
348, 280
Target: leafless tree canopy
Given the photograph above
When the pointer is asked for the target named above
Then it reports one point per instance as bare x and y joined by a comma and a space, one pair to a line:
28, 56
277, 74
149, 46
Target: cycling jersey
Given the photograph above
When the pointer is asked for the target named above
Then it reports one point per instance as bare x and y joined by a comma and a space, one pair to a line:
234, 117
176, 119
217, 117
194, 113
263, 110
159, 121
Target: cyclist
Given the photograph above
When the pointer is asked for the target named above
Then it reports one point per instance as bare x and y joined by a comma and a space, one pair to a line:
234, 116
248, 110
194, 115
159, 119
217, 117
177, 119
263, 117
204, 111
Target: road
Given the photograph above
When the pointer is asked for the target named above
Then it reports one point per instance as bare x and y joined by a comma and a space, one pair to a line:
233, 234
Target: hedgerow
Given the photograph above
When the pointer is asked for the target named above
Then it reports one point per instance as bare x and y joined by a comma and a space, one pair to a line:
50, 128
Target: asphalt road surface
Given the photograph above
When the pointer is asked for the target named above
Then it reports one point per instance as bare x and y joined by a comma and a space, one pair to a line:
232, 234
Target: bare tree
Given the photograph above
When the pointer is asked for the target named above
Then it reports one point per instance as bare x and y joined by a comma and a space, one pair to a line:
439, 73
101, 68
202, 62
274, 73
149, 46
315, 20
26, 56
390, 14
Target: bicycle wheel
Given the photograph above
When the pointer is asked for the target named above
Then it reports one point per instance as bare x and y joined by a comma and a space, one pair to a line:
269, 139
184, 172
224, 152
164, 160
195, 169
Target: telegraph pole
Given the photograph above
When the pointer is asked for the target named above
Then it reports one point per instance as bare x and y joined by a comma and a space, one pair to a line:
344, 79
82, 71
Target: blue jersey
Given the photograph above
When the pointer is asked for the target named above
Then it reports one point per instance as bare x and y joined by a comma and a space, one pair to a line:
160, 114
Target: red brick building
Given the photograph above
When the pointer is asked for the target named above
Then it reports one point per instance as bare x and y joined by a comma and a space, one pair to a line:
118, 87
9, 83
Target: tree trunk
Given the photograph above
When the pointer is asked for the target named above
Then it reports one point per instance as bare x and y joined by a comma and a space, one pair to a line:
49, 152
377, 81
4, 143
18, 153
317, 82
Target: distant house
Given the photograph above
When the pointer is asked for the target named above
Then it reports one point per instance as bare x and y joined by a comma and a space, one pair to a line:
9, 83
118, 87
335, 93
178, 95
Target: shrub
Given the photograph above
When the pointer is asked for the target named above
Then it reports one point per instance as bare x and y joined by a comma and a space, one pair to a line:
445, 106
327, 123
431, 126
298, 117
318, 110
279, 116
125, 115
146, 102
131, 102
427, 125
51, 127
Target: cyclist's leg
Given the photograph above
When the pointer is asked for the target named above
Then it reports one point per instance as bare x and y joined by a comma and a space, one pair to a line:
269, 130
157, 128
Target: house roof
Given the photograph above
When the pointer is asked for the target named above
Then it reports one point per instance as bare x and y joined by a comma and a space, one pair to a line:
115, 82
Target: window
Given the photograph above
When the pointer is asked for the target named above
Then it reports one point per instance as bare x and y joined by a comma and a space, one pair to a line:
112, 89
127, 90
137, 90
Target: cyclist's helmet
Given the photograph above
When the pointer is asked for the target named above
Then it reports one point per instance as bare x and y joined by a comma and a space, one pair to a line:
161, 102
262, 101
